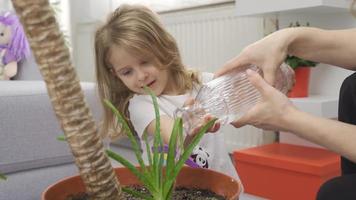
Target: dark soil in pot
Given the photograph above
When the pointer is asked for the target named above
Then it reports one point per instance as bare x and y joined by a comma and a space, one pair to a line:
180, 193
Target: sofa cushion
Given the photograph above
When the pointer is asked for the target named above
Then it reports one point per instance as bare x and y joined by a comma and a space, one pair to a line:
29, 185
28, 70
29, 127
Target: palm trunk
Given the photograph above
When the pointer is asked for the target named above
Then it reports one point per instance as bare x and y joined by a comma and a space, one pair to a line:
67, 98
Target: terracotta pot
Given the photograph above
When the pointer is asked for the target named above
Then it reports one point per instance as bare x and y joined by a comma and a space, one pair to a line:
301, 86
189, 177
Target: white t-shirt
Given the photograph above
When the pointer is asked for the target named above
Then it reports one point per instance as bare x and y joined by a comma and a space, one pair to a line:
209, 153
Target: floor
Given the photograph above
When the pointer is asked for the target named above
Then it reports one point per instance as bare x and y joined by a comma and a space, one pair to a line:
128, 154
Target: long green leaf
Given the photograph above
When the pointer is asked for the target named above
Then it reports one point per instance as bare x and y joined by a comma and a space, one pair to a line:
181, 138
148, 149
168, 195
128, 133
160, 166
149, 156
172, 146
172, 153
137, 194
132, 168
157, 138
190, 147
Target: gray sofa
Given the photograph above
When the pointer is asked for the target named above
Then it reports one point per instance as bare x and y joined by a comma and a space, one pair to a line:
30, 154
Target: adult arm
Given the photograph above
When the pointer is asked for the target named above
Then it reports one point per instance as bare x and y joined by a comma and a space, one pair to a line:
276, 112
334, 135
335, 47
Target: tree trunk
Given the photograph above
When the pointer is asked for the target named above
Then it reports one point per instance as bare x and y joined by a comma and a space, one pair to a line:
53, 58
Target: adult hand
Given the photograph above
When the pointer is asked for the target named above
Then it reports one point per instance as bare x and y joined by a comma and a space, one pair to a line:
270, 111
267, 53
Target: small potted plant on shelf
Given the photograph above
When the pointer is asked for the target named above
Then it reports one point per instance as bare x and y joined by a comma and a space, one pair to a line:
302, 72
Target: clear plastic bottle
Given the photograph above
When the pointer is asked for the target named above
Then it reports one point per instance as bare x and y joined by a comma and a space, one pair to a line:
229, 97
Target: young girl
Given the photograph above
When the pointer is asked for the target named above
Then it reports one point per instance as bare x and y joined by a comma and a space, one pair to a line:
133, 50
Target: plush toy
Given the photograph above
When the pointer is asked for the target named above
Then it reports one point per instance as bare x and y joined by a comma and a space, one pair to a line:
13, 45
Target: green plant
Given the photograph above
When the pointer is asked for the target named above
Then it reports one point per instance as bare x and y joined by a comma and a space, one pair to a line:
294, 61
2, 177
159, 180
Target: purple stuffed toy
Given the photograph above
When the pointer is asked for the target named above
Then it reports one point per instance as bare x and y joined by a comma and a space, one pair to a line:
13, 45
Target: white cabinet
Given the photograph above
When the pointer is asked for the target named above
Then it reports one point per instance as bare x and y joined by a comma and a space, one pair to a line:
322, 106
5, 5
263, 7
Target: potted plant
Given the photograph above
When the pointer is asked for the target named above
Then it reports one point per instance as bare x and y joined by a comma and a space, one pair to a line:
158, 179
97, 177
302, 72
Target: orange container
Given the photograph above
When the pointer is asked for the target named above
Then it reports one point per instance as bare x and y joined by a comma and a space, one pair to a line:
284, 171
301, 86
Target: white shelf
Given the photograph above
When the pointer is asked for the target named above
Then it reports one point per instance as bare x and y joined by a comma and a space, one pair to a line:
266, 7
322, 106
290, 138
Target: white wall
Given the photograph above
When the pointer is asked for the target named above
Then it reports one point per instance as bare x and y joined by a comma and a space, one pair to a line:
208, 37
85, 16
5, 5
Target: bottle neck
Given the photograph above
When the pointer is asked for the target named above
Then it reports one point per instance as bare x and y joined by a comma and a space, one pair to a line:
192, 116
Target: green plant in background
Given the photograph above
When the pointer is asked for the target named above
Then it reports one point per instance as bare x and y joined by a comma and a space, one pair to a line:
157, 178
294, 61
2, 177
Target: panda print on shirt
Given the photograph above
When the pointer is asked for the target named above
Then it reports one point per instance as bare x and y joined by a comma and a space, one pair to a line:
200, 156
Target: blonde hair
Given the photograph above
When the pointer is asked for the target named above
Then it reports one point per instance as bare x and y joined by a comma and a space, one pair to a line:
136, 29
